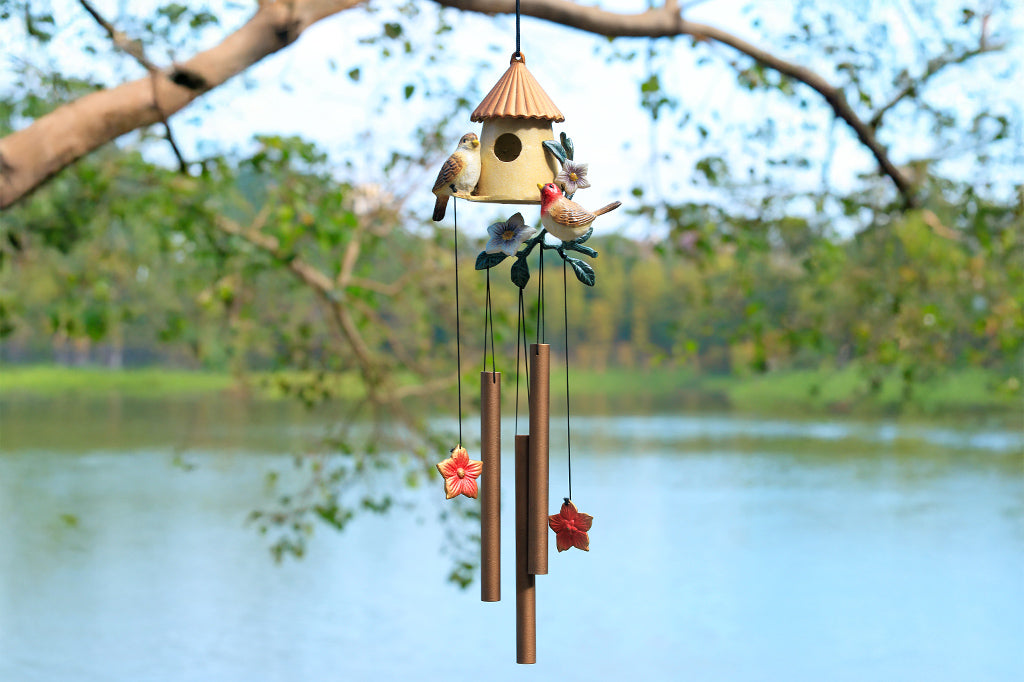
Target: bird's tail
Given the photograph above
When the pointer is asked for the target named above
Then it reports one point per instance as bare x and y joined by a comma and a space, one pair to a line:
440, 206
610, 207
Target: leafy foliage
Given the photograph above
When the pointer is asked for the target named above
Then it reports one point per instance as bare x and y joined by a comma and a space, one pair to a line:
282, 258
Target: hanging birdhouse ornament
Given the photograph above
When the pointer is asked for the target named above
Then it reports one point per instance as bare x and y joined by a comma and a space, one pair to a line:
517, 160
517, 116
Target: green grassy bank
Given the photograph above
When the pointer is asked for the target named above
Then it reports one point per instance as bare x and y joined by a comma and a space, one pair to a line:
969, 391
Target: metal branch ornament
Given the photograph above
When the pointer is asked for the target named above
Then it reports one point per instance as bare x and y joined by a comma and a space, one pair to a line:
459, 174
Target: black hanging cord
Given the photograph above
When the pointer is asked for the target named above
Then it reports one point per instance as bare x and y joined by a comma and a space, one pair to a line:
541, 323
517, 52
489, 322
490, 314
568, 425
519, 345
458, 325
526, 349
521, 348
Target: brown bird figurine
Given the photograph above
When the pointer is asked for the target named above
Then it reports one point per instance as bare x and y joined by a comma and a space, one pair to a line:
563, 217
458, 175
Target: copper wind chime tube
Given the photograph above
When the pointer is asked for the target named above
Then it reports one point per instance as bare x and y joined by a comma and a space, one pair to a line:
540, 413
526, 584
490, 492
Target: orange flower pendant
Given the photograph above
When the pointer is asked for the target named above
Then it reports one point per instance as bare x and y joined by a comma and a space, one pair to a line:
460, 473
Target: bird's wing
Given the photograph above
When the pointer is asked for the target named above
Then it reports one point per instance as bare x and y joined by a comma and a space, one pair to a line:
571, 214
449, 171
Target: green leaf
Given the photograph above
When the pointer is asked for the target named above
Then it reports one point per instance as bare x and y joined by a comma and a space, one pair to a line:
567, 144
520, 273
586, 250
409, 89
585, 237
173, 11
354, 74
485, 261
584, 272
555, 149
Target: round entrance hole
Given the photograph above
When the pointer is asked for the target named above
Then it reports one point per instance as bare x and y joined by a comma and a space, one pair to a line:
508, 147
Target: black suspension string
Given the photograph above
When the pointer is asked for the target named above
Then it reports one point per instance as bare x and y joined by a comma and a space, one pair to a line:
489, 322
518, 53
568, 424
490, 315
521, 347
519, 337
487, 300
458, 325
541, 323
526, 349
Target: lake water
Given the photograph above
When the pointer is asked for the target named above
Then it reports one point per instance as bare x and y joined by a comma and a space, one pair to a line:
722, 549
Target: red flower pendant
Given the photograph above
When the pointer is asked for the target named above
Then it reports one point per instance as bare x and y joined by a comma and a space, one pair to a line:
460, 473
571, 526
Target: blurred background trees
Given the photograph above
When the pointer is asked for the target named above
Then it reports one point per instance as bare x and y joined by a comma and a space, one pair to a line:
849, 200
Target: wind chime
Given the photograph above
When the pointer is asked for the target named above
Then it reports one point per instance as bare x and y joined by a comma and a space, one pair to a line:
516, 160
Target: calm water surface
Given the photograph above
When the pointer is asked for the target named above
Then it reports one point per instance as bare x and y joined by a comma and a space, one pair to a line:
722, 549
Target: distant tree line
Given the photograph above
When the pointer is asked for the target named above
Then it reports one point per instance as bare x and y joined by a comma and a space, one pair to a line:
122, 262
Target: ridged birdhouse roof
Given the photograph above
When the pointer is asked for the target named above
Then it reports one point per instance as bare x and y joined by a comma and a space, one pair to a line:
517, 94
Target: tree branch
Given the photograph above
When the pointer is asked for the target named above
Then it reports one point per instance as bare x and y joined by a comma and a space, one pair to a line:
934, 66
120, 40
32, 155
666, 21
36, 153
325, 289
134, 48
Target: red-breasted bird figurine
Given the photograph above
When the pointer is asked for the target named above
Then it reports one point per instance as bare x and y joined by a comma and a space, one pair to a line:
458, 175
563, 217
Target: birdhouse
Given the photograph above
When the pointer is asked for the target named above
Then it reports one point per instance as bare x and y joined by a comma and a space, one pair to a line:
517, 115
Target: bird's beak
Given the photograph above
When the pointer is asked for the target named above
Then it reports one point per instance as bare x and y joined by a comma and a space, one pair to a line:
476, 143
540, 185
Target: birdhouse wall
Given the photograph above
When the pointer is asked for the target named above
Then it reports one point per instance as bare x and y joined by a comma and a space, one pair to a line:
508, 174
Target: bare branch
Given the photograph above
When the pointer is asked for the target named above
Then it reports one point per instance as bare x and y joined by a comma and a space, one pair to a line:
390, 290
666, 22
934, 66
120, 40
322, 285
348, 262
134, 49
182, 164
317, 280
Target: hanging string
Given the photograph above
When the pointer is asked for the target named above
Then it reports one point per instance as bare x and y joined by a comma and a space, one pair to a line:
541, 323
521, 348
517, 53
458, 324
489, 322
568, 424
526, 349
519, 337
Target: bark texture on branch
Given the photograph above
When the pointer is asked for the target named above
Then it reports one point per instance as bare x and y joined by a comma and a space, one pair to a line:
32, 155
